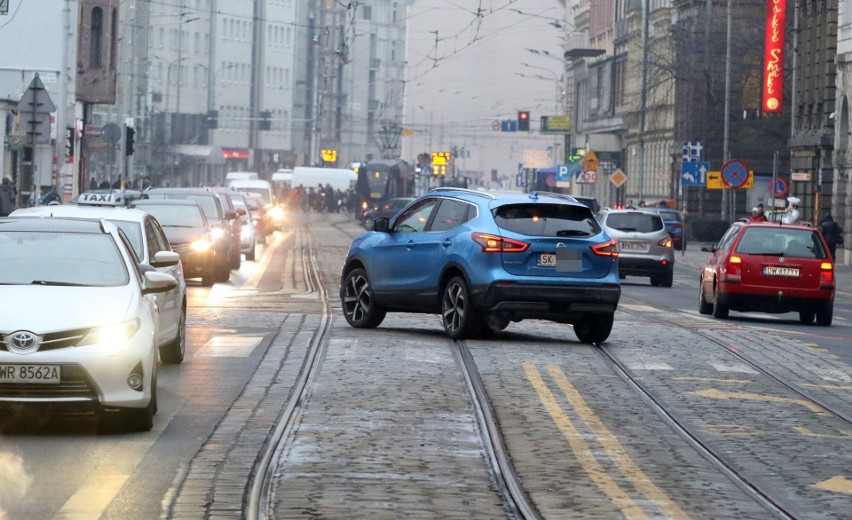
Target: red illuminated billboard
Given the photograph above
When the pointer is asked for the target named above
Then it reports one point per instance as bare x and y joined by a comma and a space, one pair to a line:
773, 59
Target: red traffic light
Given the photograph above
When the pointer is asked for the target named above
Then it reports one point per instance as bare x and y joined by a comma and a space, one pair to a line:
523, 121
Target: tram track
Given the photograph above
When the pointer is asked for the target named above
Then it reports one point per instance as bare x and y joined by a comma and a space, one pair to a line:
749, 486
261, 494
260, 497
508, 481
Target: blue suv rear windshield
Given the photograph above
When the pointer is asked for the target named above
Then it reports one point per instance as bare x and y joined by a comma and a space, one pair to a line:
547, 220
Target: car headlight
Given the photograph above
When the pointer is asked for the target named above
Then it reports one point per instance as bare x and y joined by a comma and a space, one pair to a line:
218, 233
115, 335
201, 246
276, 213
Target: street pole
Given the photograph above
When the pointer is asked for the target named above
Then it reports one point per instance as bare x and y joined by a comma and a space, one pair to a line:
644, 99
726, 214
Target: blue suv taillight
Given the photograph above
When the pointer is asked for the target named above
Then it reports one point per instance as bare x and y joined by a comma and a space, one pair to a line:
497, 244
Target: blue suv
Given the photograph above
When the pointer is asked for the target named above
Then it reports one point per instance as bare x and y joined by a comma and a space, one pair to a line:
482, 260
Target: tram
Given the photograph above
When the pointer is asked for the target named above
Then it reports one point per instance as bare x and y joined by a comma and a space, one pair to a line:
382, 180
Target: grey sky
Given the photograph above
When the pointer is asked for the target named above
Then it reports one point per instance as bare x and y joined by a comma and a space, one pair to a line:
463, 74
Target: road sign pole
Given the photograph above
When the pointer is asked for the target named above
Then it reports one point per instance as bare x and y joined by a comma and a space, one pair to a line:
774, 177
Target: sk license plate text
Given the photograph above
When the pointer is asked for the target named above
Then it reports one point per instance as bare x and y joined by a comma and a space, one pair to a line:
44, 374
781, 271
563, 261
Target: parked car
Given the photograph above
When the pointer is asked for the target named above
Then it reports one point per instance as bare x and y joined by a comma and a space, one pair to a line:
482, 260
248, 238
644, 244
78, 332
226, 197
218, 217
766, 267
189, 233
261, 219
673, 220
388, 209
117, 196
151, 245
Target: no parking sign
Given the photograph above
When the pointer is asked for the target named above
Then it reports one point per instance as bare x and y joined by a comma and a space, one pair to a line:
778, 188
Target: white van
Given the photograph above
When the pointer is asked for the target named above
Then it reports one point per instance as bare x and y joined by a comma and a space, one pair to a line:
282, 178
309, 177
233, 176
258, 186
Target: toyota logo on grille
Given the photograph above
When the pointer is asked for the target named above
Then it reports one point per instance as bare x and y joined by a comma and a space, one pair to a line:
23, 342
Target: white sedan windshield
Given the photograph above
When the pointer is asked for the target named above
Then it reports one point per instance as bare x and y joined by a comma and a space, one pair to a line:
48, 258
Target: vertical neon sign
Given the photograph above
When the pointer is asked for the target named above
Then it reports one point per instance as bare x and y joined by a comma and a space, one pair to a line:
773, 58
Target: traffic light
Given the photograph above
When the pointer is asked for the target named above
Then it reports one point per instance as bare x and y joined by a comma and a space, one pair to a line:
212, 119
129, 137
523, 121
266, 120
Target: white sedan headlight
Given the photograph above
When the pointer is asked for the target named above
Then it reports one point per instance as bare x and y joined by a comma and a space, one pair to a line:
201, 246
115, 335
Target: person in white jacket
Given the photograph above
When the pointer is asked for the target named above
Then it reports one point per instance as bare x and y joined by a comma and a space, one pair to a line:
792, 215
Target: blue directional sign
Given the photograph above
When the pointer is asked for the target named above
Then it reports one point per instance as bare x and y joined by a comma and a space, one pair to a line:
509, 125
734, 173
694, 173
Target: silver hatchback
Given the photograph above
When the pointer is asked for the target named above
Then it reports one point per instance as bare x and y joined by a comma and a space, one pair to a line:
644, 244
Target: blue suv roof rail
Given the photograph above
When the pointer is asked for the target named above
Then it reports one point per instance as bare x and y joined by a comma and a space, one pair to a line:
463, 190
563, 196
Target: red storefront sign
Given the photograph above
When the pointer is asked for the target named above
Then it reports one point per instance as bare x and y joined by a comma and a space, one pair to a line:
773, 59
233, 153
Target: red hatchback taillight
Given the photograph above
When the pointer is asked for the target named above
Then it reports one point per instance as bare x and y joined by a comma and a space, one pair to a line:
826, 275
733, 269
497, 244
606, 249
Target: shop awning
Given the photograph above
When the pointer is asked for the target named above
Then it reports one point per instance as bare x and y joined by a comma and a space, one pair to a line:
206, 153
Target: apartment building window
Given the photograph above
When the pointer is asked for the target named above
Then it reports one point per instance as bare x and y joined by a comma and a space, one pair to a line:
97, 30
619, 81
367, 12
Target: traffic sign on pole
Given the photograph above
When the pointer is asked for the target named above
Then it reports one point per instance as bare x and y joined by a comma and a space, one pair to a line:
694, 173
735, 173
779, 189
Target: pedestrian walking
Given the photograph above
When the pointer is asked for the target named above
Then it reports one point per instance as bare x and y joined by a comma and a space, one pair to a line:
792, 214
756, 215
831, 232
8, 197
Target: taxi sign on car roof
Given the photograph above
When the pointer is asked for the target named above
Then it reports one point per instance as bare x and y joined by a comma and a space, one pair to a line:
100, 199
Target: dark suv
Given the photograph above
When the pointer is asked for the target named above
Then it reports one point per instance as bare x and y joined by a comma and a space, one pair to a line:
219, 218
482, 260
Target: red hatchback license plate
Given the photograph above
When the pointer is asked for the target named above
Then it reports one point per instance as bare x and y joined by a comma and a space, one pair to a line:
790, 272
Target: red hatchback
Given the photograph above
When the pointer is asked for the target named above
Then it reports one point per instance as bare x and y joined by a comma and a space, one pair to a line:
769, 268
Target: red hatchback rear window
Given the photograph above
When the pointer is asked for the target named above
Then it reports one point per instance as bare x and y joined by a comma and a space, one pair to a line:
780, 241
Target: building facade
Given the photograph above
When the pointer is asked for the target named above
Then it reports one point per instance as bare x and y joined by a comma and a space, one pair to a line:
841, 187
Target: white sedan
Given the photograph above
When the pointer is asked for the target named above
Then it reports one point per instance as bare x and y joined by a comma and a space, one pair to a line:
151, 246
78, 320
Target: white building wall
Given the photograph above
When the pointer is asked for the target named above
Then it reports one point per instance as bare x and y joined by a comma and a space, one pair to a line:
279, 74
374, 78
841, 201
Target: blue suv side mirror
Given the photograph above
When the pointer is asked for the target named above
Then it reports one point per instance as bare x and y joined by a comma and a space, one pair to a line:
381, 224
